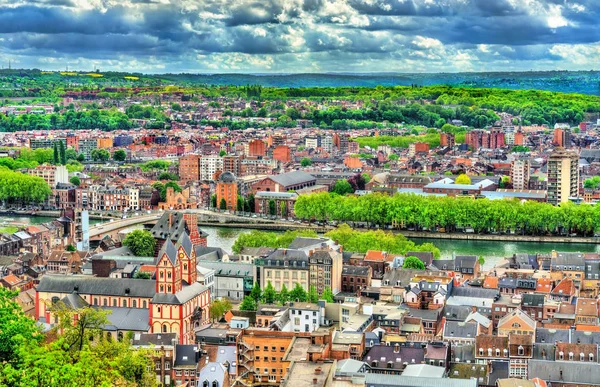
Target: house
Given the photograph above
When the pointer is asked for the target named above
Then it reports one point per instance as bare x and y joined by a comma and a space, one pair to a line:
460, 332
565, 290
163, 347
350, 344
355, 278
586, 311
185, 364
213, 374
64, 262
393, 358
516, 322
520, 351
490, 347
231, 280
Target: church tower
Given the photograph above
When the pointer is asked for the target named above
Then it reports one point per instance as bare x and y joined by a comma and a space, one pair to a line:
168, 270
187, 255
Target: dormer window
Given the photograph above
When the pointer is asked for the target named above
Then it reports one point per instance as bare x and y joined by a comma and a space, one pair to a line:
570, 355
521, 350
591, 357
561, 355
581, 357
497, 352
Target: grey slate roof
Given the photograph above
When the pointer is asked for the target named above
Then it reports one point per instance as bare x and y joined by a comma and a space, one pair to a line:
212, 372
186, 356
355, 270
466, 291
156, 339
228, 269
457, 312
186, 243
181, 297
460, 330
565, 371
100, 286
127, 319
169, 249
383, 380
74, 301
293, 178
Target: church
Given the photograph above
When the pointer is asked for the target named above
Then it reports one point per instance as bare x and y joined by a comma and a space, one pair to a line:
172, 302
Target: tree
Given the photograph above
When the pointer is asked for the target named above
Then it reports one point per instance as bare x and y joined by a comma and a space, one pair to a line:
393, 157
284, 295
413, 263
223, 204
463, 179
213, 201
298, 294
481, 260
75, 181
251, 203
272, 207
222, 153
269, 295
256, 292
81, 157
248, 304
328, 295
306, 162
240, 204
218, 308
119, 155
56, 157
142, 275
313, 295
62, 152
342, 187
71, 248
15, 327
168, 176
141, 243
283, 209
176, 107
101, 155
79, 327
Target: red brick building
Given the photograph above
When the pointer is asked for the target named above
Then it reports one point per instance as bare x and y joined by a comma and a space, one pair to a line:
189, 168
257, 148
282, 153
227, 190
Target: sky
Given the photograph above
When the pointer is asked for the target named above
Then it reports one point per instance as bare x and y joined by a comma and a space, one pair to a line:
299, 36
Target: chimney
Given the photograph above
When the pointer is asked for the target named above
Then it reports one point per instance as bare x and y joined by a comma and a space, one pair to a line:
318, 371
315, 380
170, 219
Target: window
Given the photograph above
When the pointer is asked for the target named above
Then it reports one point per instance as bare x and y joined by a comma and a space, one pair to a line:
497, 352
570, 355
591, 357
561, 355
521, 350
124, 303
144, 304
581, 357
167, 365
165, 329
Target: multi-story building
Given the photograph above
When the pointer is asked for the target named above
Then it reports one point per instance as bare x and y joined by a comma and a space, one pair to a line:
447, 140
283, 203
418, 148
209, 165
52, 174
519, 173
233, 164
87, 146
283, 267
326, 270
163, 348
257, 148
227, 191
563, 176
327, 143
36, 143
189, 168
355, 278
282, 153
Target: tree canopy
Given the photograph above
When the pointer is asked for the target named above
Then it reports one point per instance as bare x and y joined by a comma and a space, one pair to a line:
141, 242
413, 263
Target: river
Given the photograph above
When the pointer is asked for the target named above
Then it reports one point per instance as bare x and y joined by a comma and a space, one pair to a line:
492, 251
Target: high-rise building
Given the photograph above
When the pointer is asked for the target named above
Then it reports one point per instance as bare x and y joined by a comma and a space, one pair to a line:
418, 147
447, 140
227, 190
209, 165
232, 164
519, 173
257, 148
519, 138
189, 167
563, 176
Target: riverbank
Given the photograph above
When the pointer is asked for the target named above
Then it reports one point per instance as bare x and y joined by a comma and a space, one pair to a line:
267, 226
498, 238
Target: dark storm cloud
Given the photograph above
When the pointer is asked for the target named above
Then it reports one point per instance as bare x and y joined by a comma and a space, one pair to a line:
294, 33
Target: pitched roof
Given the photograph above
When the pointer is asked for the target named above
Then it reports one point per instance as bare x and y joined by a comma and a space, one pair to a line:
97, 285
185, 242
565, 287
170, 250
181, 297
293, 178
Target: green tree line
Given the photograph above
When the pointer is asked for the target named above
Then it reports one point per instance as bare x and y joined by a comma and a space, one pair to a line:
451, 213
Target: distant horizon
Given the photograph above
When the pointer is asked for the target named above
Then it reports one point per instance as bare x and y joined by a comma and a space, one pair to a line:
336, 73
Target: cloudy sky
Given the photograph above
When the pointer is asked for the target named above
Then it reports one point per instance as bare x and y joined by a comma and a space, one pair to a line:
213, 36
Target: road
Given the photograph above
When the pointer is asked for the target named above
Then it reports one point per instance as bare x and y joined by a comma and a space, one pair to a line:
106, 228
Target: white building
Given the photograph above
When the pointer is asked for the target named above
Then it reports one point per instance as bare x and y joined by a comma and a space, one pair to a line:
327, 143
519, 174
209, 165
134, 199
206, 276
304, 317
